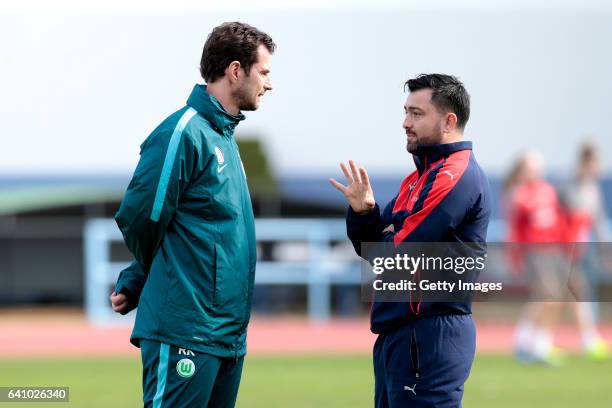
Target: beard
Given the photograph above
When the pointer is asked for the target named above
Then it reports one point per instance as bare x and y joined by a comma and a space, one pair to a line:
246, 99
432, 139
411, 147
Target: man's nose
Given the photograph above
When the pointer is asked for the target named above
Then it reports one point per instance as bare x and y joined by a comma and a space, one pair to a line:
407, 124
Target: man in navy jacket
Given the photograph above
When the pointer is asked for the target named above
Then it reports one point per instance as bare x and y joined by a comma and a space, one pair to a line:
424, 350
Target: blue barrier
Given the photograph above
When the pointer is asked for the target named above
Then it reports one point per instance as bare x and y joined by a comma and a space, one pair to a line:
322, 266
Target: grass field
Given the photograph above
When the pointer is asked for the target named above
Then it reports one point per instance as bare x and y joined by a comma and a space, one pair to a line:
321, 381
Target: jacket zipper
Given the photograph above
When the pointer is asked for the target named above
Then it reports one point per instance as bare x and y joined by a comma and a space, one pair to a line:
414, 353
240, 170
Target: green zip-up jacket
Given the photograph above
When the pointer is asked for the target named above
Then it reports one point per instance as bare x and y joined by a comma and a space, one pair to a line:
187, 219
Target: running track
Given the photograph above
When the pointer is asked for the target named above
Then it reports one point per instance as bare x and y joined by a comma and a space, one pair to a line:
64, 334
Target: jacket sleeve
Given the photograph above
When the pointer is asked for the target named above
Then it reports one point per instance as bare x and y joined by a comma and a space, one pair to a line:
368, 227
168, 161
131, 281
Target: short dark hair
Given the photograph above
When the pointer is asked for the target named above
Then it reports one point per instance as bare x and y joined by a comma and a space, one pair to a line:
448, 94
232, 42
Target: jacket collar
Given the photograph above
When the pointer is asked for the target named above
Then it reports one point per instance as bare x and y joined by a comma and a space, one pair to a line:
210, 107
425, 155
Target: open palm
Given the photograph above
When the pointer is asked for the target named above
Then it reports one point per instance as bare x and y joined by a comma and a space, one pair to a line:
358, 192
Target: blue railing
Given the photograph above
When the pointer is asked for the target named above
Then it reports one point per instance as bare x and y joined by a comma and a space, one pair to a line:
318, 270
320, 265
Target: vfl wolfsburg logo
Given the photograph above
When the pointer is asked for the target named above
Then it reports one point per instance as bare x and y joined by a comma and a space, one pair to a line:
185, 368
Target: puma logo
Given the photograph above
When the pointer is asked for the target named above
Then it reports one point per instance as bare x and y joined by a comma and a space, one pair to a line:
452, 176
407, 388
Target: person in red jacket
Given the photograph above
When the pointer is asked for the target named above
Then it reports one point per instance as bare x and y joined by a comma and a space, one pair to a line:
424, 350
535, 224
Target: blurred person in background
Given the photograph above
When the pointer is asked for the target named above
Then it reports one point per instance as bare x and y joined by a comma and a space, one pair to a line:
187, 219
586, 221
535, 229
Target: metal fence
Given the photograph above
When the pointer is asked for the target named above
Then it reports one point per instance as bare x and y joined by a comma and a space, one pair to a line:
320, 268
322, 264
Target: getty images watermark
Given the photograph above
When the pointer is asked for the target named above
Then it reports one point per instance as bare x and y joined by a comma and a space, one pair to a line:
410, 265
457, 272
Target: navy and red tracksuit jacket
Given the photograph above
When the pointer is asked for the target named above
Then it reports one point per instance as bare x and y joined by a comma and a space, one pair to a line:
447, 199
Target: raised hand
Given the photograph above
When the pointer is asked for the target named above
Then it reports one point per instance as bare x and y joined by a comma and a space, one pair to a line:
358, 192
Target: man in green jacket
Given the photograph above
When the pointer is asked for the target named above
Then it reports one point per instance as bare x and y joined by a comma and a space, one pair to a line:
187, 219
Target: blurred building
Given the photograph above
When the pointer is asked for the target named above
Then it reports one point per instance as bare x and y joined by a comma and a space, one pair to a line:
42, 222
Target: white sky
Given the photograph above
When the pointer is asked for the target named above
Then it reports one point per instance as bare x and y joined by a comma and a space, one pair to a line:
82, 85
315, 5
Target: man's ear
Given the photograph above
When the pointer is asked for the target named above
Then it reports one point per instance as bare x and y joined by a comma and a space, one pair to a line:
233, 71
450, 123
